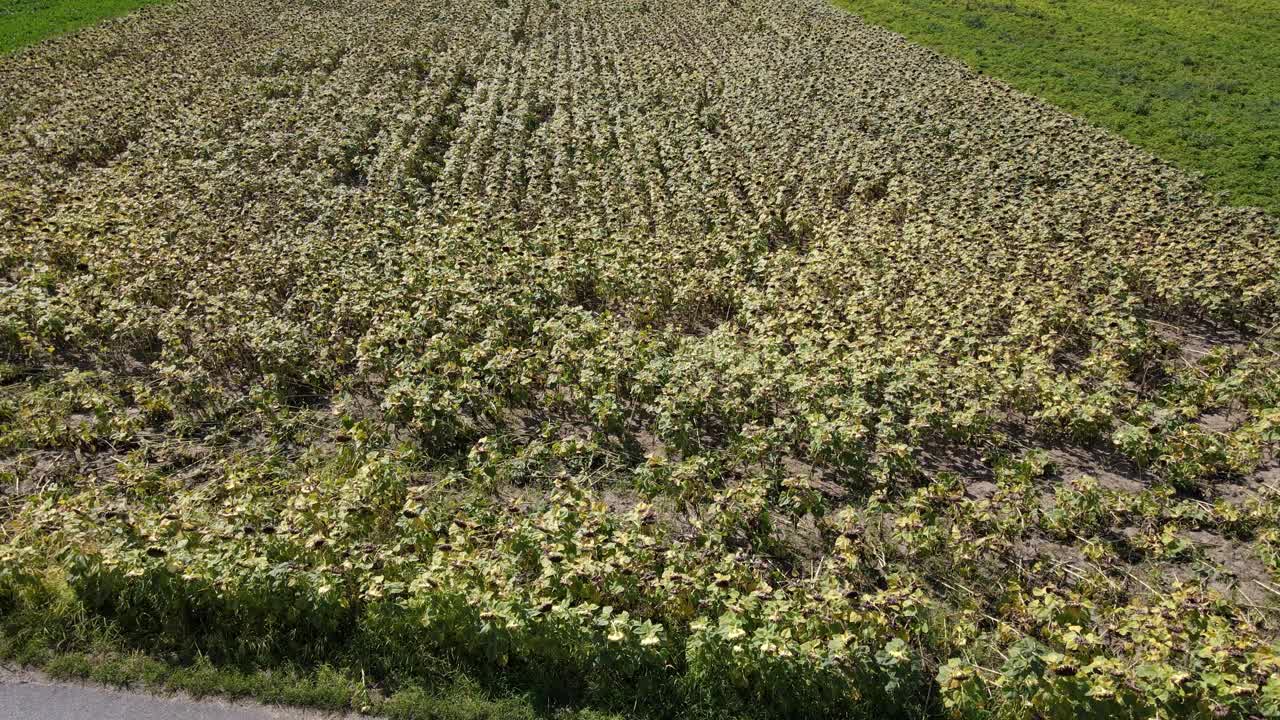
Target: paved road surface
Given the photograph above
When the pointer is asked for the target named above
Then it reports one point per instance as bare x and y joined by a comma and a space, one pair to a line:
26, 695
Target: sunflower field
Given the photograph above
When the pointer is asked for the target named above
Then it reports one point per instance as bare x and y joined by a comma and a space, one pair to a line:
682, 359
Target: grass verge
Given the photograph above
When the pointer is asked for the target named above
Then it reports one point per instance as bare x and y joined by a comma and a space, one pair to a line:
50, 629
1196, 82
23, 22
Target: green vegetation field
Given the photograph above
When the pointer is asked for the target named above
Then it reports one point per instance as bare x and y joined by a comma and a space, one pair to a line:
1196, 82
23, 22
660, 359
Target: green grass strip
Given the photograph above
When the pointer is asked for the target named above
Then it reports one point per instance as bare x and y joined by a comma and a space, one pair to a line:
23, 22
1195, 82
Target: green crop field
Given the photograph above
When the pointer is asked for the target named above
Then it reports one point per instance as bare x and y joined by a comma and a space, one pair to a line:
23, 22
621, 358
1196, 82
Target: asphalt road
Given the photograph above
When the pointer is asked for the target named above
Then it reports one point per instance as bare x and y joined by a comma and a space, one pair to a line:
26, 695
